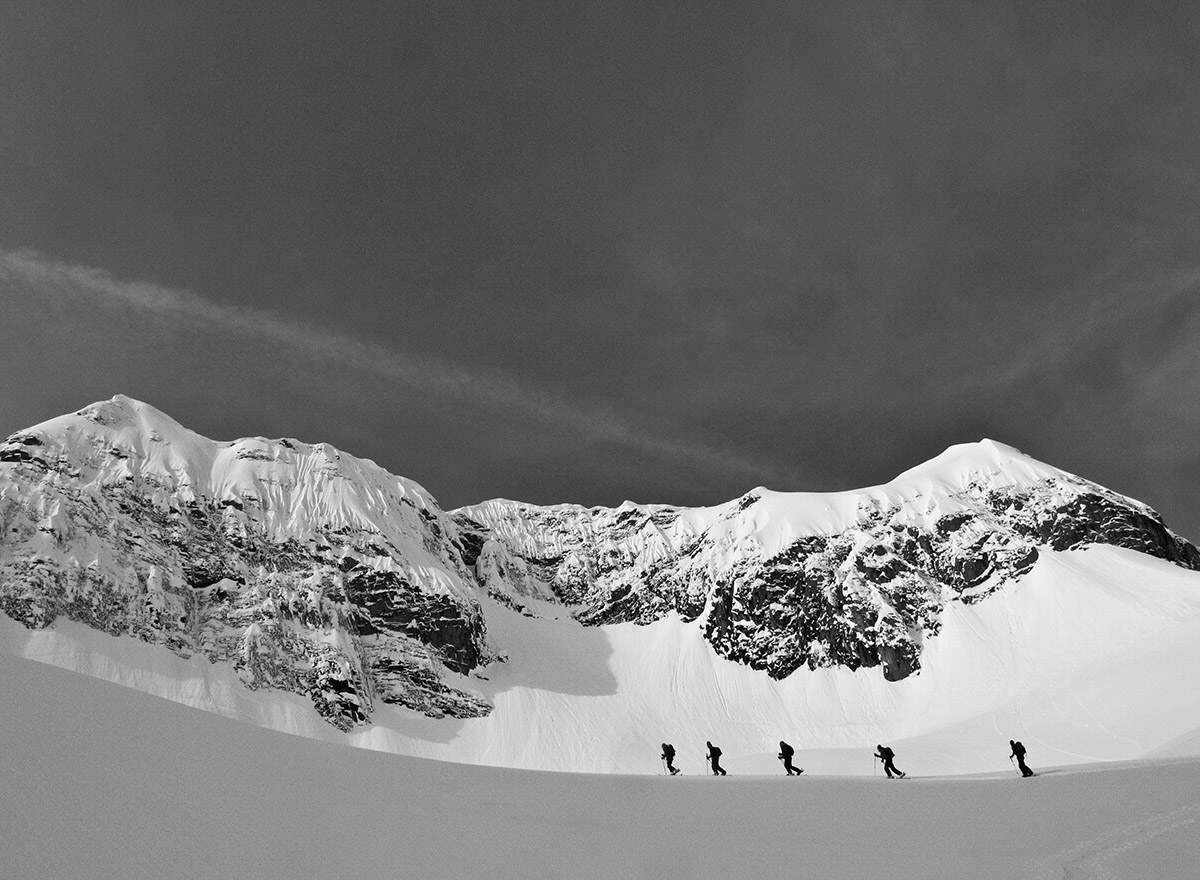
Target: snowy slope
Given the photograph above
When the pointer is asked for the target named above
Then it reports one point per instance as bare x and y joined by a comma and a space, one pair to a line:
201, 797
978, 597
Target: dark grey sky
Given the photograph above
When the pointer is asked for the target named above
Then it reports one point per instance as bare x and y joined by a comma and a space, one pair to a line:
587, 252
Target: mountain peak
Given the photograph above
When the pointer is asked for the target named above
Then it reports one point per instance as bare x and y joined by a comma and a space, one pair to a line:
984, 459
120, 409
119, 413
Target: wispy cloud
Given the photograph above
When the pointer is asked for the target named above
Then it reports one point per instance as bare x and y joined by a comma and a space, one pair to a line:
1118, 298
40, 276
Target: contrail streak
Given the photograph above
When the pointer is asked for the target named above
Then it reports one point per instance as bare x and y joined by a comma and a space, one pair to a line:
46, 277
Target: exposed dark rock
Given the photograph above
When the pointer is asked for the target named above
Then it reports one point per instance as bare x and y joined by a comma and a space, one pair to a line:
17, 453
471, 538
387, 602
1094, 519
865, 597
201, 575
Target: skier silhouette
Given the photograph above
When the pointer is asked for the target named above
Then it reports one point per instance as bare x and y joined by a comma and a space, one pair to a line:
668, 755
714, 759
1018, 752
888, 757
785, 755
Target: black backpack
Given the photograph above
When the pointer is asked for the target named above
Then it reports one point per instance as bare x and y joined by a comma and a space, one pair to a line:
668, 751
886, 753
1018, 749
786, 750
714, 753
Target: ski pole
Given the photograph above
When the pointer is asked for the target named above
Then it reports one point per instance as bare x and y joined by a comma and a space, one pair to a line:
874, 765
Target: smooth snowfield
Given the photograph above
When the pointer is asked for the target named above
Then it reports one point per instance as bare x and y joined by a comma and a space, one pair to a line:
107, 782
1089, 657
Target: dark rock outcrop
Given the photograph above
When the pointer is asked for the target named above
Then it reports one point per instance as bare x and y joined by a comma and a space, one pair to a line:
866, 595
363, 601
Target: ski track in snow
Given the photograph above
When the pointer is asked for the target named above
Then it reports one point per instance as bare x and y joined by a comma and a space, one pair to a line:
1092, 859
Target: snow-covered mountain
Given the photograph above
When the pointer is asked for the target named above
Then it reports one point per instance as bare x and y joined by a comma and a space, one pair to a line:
791, 580
309, 571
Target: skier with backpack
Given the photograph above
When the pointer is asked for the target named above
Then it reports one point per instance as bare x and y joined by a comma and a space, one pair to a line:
668, 755
1018, 752
785, 754
888, 757
714, 759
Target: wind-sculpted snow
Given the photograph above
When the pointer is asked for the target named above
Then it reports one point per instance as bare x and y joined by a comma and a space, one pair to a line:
314, 572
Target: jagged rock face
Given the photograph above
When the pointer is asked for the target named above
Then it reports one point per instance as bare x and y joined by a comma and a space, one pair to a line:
321, 574
865, 594
307, 570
